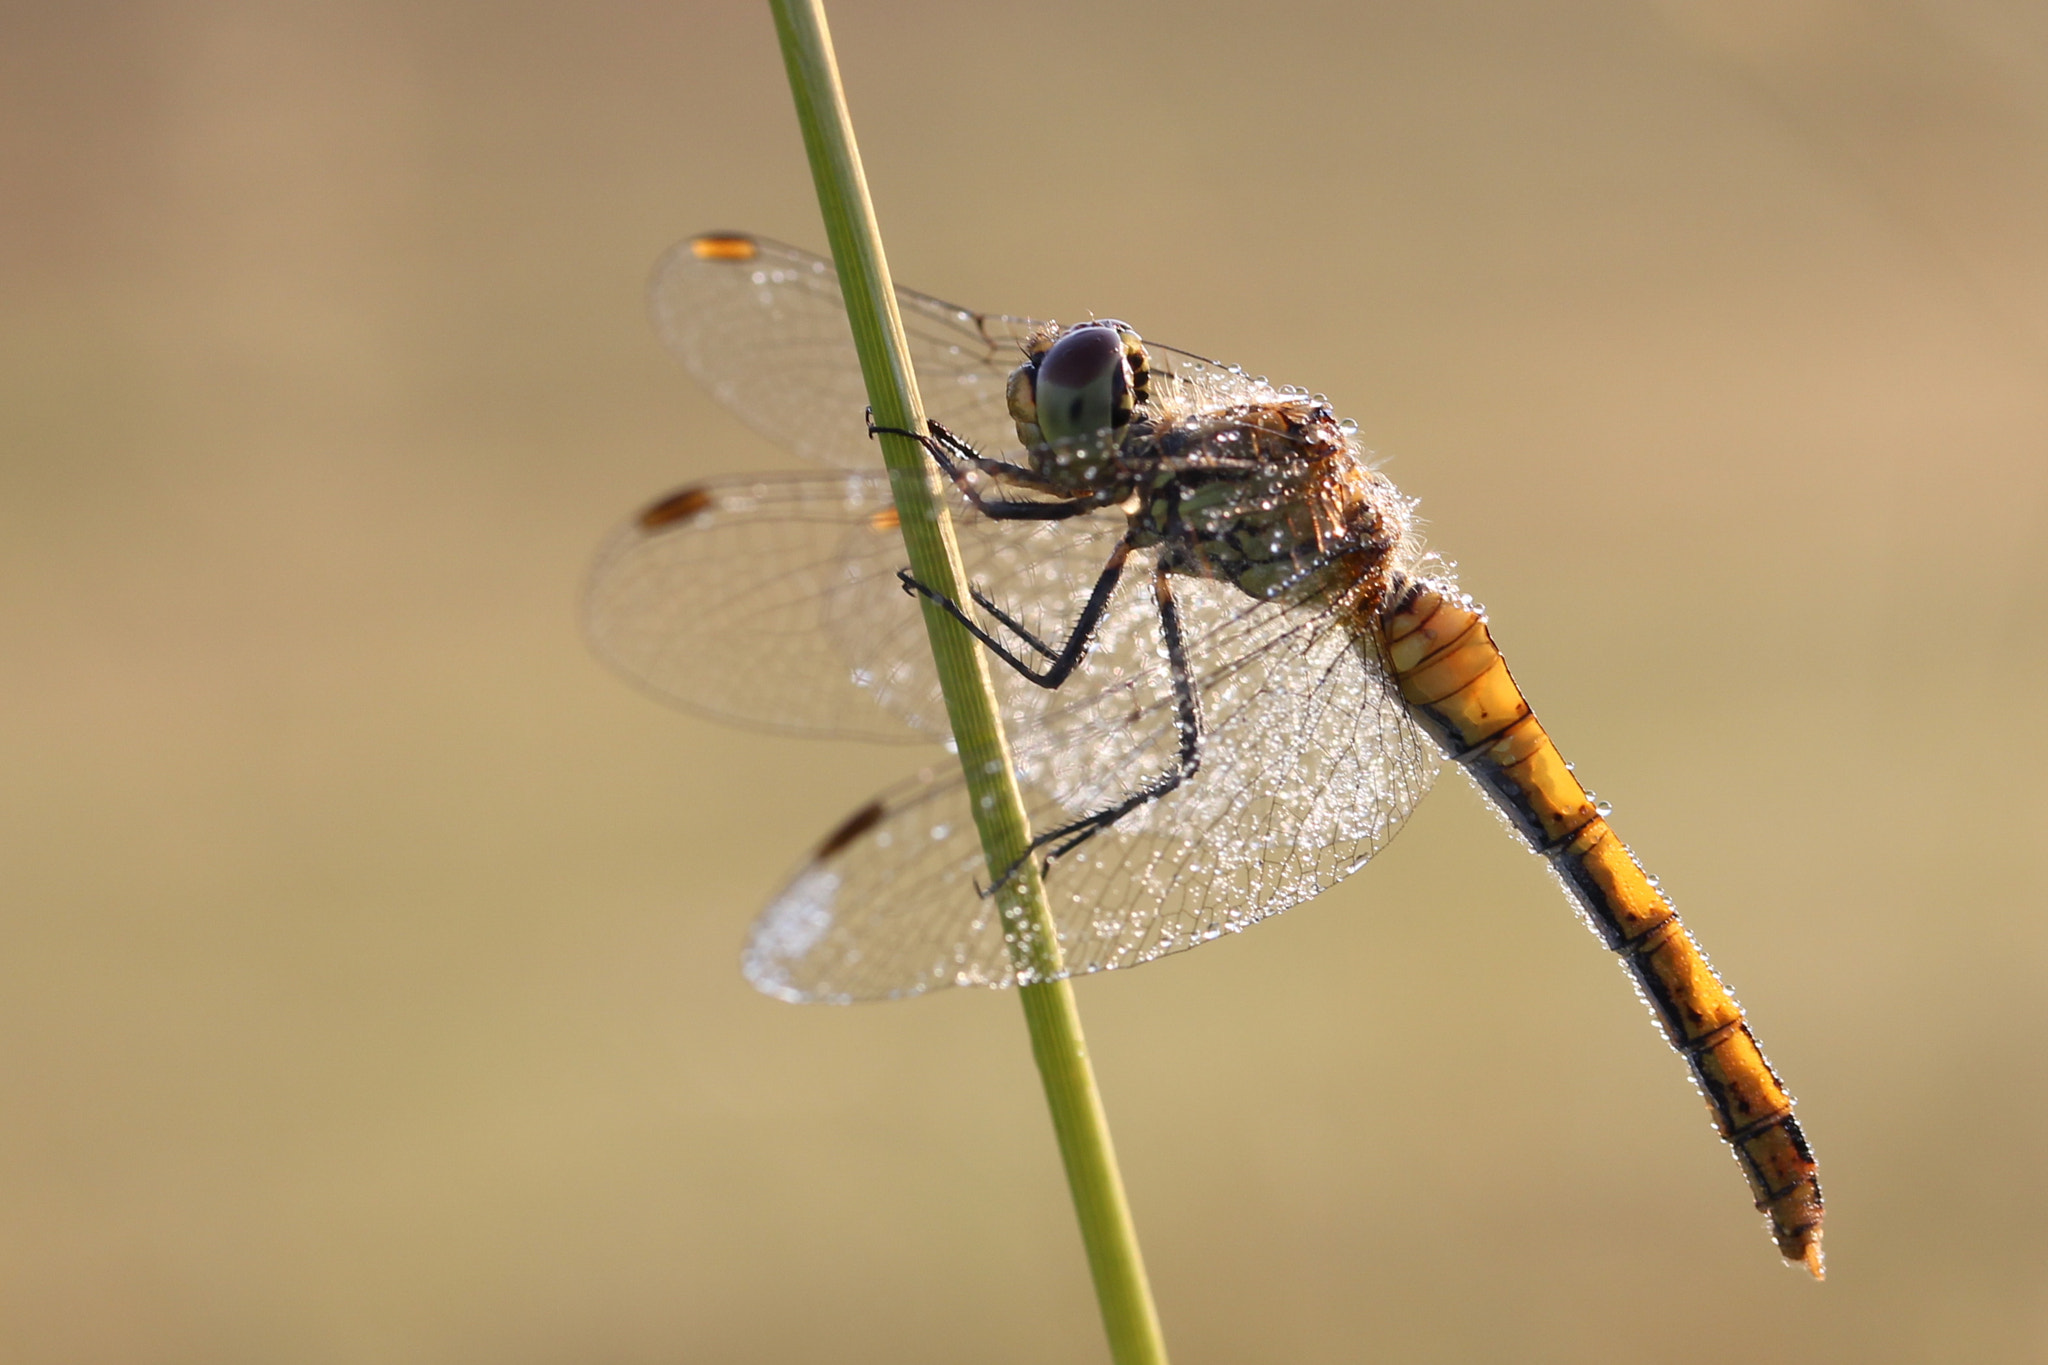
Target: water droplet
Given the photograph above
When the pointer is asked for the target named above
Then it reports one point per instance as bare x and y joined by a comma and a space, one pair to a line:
1602, 809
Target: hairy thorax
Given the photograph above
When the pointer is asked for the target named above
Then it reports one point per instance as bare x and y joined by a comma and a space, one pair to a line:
1273, 497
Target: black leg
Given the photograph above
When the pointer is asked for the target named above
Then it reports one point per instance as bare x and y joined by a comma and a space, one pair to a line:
1016, 628
1187, 707
961, 451
1068, 656
1187, 718
953, 455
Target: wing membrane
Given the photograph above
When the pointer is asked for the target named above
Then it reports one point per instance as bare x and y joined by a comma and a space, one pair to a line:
763, 326
761, 600
775, 602
1310, 765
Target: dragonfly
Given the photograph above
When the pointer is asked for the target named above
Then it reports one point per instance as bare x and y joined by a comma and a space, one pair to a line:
1227, 665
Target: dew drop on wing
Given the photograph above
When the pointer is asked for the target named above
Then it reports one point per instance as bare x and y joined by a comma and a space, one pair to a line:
800, 918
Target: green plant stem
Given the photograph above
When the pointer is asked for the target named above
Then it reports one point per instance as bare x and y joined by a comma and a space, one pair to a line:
1129, 1318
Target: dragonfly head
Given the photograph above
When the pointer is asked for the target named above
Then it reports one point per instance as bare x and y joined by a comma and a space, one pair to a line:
1078, 383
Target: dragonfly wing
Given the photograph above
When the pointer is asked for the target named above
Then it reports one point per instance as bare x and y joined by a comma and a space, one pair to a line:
775, 601
889, 905
763, 326
1310, 763
729, 597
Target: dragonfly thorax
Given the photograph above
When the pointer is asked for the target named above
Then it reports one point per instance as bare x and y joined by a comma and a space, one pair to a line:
1273, 497
1265, 490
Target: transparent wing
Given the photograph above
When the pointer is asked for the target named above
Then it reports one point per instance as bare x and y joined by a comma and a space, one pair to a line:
760, 600
1310, 763
763, 327
775, 602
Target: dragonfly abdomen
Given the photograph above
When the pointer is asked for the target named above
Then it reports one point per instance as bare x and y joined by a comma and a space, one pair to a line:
1459, 688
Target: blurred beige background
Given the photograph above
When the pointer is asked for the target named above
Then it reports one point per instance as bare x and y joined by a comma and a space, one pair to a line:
370, 986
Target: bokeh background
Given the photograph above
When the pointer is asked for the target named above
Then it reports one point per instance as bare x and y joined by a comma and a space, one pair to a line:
369, 990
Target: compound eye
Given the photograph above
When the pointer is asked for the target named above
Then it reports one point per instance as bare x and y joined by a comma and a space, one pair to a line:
1084, 385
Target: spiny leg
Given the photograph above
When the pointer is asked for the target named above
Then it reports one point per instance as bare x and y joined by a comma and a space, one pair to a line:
1069, 655
1187, 720
1187, 717
942, 445
953, 455
1011, 623
951, 448
1186, 699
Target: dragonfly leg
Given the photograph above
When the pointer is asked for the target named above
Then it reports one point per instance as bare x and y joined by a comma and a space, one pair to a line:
1015, 627
1068, 656
1187, 718
954, 458
960, 450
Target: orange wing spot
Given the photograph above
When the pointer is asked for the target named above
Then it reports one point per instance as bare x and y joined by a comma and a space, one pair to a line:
678, 507
724, 246
856, 824
885, 520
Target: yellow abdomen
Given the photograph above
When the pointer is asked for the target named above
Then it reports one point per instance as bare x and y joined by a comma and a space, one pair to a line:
1458, 686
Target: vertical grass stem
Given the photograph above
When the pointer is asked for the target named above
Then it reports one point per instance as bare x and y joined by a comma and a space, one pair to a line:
1129, 1318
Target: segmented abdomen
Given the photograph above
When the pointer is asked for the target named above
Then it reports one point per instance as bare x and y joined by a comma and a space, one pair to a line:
1458, 686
